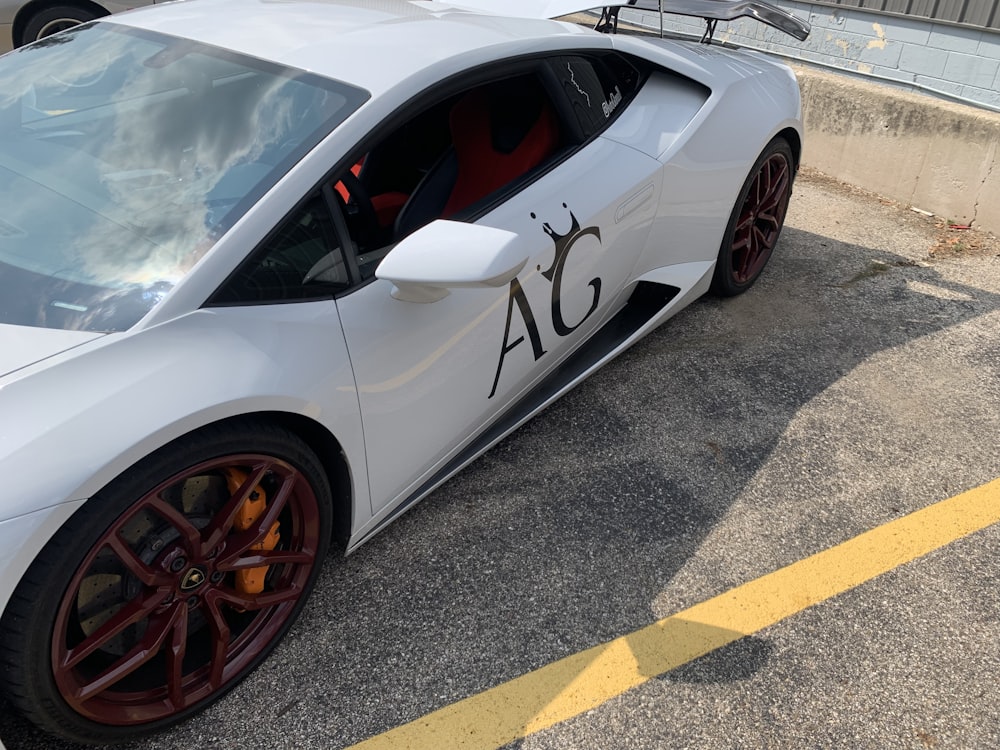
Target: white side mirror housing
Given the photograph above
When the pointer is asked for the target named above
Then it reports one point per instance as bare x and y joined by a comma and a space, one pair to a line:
451, 255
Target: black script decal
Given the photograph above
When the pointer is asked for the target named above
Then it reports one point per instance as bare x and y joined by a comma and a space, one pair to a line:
554, 274
564, 243
517, 294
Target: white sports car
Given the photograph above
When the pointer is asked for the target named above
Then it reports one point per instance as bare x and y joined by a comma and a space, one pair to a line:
270, 272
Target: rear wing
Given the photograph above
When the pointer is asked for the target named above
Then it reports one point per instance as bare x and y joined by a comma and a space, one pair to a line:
712, 11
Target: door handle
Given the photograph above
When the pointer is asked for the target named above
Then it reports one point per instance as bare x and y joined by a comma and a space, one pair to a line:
634, 203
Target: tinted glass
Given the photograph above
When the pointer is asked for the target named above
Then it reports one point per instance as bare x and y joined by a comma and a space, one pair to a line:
596, 87
125, 155
301, 260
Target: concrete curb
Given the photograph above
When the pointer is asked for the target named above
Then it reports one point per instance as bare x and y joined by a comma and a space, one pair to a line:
935, 155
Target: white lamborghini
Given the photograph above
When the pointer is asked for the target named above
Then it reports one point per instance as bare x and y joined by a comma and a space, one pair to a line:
270, 272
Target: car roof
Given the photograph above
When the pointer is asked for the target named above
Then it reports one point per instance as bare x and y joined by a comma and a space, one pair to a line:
374, 44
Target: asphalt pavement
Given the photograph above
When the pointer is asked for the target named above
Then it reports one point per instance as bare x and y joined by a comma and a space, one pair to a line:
859, 381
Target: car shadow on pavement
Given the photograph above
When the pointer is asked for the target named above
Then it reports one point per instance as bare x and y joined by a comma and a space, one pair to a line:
567, 533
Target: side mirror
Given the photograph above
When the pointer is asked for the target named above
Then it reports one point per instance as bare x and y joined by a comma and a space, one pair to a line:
451, 255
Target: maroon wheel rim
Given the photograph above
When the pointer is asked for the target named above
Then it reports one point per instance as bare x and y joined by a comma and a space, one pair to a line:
158, 616
761, 218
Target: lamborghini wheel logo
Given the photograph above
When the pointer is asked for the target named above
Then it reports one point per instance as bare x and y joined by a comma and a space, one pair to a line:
193, 579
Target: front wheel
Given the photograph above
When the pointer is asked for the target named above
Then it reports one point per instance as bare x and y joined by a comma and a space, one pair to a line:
52, 20
165, 589
756, 221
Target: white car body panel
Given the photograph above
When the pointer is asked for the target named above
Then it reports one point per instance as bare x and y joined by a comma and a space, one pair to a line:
463, 256
689, 222
525, 8
20, 347
411, 391
202, 367
404, 45
694, 280
409, 358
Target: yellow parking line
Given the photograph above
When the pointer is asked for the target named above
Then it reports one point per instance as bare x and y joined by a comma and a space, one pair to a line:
578, 683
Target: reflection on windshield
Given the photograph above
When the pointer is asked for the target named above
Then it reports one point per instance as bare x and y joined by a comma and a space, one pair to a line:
124, 155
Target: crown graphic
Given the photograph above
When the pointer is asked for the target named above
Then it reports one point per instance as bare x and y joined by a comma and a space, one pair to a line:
563, 242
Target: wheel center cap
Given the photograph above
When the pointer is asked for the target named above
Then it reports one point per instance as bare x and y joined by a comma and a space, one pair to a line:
193, 579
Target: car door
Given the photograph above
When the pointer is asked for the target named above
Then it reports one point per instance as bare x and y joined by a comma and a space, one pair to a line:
432, 375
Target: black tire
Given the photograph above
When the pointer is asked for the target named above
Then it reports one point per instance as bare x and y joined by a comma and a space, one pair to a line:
52, 20
177, 541
756, 221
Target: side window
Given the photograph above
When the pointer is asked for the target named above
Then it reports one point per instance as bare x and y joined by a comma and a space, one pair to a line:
596, 87
448, 161
300, 260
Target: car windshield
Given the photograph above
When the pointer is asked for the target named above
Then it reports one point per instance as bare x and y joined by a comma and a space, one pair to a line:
124, 155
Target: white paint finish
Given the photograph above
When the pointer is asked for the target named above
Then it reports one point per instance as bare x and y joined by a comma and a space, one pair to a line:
21, 346
106, 405
62, 407
423, 376
635, 202
451, 255
425, 371
706, 156
692, 278
526, 8
378, 44
651, 197
590, 186
648, 126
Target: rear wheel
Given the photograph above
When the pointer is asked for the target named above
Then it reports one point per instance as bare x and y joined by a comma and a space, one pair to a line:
125, 627
756, 221
53, 20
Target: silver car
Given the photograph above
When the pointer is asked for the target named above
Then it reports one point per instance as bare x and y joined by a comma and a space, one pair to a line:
24, 21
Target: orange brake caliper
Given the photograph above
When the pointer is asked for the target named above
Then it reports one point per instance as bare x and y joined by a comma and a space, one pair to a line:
251, 580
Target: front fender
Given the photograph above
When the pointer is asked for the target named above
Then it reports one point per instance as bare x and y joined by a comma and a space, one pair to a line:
72, 424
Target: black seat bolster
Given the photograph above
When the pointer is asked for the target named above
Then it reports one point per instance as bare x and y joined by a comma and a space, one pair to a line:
430, 196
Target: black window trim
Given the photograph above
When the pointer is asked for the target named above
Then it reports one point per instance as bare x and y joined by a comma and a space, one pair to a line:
325, 291
537, 63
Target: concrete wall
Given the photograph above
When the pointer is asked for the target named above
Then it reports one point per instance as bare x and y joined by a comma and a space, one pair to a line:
978, 13
938, 156
941, 58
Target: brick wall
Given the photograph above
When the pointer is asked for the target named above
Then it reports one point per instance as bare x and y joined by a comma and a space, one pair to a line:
936, 57
980, 13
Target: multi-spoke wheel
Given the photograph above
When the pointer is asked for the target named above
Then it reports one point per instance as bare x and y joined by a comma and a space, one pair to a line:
165, 589
756, 221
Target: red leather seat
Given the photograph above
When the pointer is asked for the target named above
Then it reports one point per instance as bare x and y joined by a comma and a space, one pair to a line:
483, 165
499, 133
387, 205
